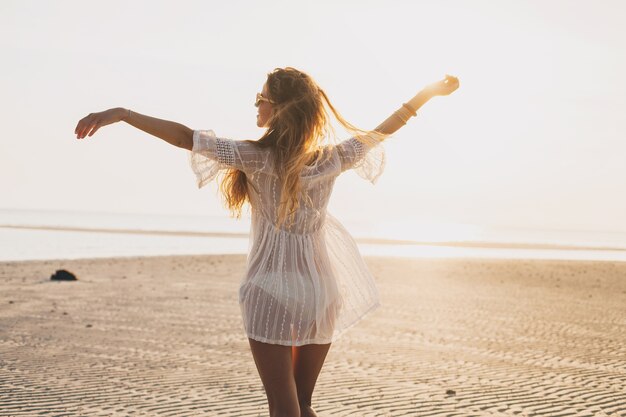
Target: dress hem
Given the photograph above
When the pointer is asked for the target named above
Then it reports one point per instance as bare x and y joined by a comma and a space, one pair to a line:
314, 341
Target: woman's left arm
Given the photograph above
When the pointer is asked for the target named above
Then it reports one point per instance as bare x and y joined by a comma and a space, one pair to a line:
399, 118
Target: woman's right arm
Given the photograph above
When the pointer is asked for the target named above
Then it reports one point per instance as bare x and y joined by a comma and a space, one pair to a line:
173, 133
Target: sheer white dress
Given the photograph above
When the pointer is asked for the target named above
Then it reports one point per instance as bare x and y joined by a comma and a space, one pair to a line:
306, 283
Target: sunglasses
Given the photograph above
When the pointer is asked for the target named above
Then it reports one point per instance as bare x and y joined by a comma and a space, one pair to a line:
260, 98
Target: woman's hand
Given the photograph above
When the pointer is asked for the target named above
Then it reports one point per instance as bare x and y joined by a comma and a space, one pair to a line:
90, 124
443, 87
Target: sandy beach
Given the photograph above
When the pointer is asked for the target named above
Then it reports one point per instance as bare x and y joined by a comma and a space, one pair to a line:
162, 336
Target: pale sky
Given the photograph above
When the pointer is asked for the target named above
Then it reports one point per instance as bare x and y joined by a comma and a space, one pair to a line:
534, 137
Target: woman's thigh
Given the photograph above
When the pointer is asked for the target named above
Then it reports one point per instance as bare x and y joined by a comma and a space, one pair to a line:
274, 363
307, 364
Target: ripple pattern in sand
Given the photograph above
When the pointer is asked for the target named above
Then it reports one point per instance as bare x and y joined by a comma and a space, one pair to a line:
163, 337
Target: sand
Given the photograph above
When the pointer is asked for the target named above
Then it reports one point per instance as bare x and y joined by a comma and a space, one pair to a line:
162, 336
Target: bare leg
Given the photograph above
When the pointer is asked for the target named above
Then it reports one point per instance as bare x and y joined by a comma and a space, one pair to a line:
307, 364
275, 367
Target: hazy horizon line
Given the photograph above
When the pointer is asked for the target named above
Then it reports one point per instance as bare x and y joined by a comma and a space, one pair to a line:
361, 240
246, 216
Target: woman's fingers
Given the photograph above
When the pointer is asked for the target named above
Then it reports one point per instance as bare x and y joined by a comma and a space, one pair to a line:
451, 80
451, 83
93, 128
80, 127
81, 130
87, 126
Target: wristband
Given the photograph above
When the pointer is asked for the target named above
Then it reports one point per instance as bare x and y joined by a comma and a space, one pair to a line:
402, 116
410, 109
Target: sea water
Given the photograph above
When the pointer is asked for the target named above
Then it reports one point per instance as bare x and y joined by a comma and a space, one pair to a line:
48, 234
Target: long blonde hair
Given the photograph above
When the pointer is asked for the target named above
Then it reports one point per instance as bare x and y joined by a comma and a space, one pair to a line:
297, 127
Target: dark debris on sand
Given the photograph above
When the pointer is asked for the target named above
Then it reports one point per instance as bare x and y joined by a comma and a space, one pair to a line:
63, 275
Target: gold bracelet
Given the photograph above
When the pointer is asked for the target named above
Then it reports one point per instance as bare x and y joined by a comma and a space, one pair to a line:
410, 109
400, 116
406, 112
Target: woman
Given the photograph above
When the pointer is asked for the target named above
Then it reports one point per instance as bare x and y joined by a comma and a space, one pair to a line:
305, 282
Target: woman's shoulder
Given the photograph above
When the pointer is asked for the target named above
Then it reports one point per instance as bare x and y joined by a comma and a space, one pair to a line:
322, 164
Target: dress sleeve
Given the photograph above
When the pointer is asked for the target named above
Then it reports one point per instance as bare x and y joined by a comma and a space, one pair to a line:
365, 154
211, 154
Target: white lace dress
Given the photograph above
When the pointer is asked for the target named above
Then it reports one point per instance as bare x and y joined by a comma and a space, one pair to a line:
306, 283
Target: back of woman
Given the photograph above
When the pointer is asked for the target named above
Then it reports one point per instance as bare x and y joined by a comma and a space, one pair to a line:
305, 282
